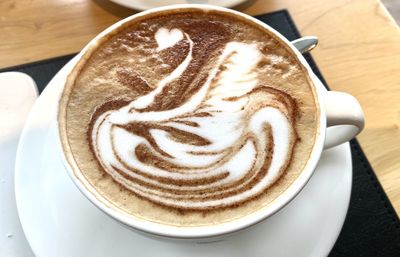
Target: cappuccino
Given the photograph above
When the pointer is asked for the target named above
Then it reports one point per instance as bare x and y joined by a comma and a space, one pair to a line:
189, 117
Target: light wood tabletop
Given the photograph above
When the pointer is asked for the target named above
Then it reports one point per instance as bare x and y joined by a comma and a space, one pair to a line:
358, 52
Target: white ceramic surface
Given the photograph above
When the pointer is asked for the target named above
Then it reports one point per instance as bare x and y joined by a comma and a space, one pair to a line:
18, 93
148, 4
59, 221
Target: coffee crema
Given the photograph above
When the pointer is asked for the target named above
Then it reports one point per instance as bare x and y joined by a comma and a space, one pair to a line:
189, 117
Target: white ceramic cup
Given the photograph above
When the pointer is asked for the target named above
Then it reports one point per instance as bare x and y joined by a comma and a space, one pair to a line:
338, 110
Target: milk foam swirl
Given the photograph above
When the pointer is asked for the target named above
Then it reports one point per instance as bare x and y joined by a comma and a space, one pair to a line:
225, 145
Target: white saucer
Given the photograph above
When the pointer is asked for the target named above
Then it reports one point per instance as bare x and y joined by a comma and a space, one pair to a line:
148, 4
59, 221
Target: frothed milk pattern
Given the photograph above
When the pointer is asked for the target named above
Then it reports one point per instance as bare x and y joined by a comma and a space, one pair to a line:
188, 118
220, 147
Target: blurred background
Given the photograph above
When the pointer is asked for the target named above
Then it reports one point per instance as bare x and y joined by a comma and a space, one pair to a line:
394, 8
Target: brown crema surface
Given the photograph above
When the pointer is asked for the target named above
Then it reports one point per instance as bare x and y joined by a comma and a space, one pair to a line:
125, 65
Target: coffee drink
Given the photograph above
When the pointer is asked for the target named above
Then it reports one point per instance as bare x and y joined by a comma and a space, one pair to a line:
189, 117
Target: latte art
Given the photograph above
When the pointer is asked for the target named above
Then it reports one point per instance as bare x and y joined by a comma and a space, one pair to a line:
188, 118
223, 143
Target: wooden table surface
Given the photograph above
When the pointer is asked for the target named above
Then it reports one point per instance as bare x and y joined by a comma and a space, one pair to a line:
358, 52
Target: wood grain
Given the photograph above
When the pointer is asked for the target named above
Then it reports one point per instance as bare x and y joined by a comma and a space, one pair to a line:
359, 52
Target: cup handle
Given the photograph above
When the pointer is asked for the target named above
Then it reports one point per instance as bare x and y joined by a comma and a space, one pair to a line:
344, 117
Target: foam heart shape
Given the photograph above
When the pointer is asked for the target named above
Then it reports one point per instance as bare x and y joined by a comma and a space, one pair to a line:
166, 38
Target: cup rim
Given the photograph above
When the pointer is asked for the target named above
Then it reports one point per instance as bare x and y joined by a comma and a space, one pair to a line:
208, 231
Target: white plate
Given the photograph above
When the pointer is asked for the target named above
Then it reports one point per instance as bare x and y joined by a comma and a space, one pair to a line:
148, 4
59, 221
18, 93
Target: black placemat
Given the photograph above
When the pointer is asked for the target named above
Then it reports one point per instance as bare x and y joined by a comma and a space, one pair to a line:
371, 228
